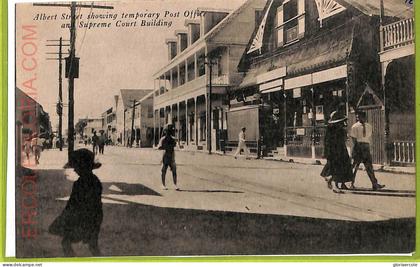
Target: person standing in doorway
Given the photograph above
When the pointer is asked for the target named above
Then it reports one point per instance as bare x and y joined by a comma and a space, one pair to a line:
168, 144
95, 140
242, 144
361, 134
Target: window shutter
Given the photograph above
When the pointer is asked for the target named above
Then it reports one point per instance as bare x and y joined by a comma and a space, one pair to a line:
301, 20
280, 37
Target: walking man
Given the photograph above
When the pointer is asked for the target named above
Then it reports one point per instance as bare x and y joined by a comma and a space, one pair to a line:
37, 144
168, 143
101, 143
242, 144
361, 134
95, 140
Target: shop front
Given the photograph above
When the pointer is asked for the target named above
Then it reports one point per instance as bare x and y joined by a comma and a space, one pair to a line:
309, 100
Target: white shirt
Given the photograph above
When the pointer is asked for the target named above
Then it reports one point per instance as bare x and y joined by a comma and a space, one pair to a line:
242, 137
357, 132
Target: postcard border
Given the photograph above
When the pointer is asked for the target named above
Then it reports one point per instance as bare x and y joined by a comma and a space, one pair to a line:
3, 174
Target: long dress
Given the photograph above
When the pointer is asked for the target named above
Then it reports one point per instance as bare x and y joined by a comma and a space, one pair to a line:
335, 150
82, 217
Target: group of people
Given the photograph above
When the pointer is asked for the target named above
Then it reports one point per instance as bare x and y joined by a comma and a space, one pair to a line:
33, 145
339, 168
82, 217
98, 143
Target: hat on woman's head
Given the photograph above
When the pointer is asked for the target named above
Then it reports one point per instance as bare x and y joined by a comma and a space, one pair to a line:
83, 158
336, 117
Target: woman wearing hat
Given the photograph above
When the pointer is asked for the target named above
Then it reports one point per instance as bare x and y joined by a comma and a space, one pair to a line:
335, 151
82, 217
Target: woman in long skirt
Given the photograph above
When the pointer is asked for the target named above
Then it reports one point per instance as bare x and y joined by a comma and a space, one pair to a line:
335, 150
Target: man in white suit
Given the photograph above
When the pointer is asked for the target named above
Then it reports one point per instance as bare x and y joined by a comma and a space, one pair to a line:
242, 144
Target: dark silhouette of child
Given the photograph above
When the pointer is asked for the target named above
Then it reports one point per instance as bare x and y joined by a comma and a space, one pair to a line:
82, 217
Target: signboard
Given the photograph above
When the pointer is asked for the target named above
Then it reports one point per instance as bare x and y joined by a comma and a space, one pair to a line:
300, 131
297, 92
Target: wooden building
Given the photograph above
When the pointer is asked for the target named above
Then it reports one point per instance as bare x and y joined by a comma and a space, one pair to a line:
304, 59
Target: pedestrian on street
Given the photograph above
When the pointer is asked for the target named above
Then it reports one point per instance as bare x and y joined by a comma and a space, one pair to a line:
27, 148
101, 143
82, 217
242, 144
361, 134
335, 150
95, 140
36, 144
168, 143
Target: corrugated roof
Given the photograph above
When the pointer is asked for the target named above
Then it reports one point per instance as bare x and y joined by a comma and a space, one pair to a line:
128, 95
393, 8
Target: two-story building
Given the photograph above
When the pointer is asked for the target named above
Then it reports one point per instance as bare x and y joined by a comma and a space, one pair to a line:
143, 122
397, 66
191, 90
126, 131
305, 59
109, 125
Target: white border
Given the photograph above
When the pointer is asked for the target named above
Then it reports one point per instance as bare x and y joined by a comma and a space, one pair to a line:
10, 248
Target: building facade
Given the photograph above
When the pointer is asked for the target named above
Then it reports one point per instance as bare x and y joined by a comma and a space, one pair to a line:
93, 125
126, 129
109, 125
202, 63
305, 59
30, 119
397, 66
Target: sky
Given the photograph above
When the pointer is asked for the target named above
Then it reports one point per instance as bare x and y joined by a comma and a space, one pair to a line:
111, 57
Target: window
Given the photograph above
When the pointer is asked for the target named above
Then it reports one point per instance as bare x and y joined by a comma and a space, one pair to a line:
290, 22
327, 8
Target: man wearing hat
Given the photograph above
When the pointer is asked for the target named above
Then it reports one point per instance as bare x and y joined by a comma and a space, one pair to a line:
37, 144
361, 133
242, 144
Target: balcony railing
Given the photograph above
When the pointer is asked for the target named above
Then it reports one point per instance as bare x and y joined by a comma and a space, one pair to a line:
404, 152
397, 34
220, 80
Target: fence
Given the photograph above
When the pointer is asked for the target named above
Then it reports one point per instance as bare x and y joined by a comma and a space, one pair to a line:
404, 152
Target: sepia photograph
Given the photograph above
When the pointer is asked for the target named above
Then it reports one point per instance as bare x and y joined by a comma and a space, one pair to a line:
214, 128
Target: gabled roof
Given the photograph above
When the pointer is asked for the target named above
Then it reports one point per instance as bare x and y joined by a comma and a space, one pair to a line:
128, 95
222, 24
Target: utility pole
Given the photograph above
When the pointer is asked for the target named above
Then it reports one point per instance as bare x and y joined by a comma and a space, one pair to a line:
59, 106
60, 95
71, 75
210, 63
132, 123
73, 66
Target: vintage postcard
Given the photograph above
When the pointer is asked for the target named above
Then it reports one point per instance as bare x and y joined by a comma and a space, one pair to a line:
203, 128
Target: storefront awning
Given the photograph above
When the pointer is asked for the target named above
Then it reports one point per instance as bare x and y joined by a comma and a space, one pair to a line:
322, 52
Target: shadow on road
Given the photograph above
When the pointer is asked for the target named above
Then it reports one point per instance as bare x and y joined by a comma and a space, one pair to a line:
381, 192
211, 191
127, 189
136, 229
